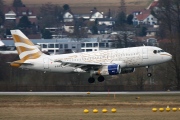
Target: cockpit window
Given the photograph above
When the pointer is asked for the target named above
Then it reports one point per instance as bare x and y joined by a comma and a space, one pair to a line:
162, 51
158, 51
155, 51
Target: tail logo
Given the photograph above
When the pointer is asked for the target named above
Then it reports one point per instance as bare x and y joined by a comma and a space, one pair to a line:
26, 49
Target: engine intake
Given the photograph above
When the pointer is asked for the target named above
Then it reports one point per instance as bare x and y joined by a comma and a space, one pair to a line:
109, 70
114, 69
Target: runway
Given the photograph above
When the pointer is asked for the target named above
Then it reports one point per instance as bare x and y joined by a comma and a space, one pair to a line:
92, 93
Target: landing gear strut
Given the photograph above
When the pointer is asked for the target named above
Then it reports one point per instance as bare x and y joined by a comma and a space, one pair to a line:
149, 74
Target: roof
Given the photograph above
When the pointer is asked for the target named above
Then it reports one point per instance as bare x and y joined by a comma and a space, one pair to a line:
105, 19
62, 40
19, 10
141, 17
153, 4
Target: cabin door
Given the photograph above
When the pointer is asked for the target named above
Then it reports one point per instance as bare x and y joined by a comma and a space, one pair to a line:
46, 63
145, 53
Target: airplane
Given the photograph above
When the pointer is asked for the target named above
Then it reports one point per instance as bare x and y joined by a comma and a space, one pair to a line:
100, 63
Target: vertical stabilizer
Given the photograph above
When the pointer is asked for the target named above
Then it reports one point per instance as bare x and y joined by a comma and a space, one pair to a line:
26, 49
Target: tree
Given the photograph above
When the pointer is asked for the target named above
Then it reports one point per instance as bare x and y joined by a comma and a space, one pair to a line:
121, 16
66, 7
129, 19
46, 34
168, 15
50, 15
24, 23
1, 12
79, 30
18, 3
122, 6
121, 19
143, 31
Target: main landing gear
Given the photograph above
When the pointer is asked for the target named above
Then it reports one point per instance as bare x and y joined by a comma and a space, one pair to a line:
149, 74
92, 79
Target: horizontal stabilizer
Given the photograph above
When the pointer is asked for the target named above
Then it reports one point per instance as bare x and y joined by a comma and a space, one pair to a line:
19, 63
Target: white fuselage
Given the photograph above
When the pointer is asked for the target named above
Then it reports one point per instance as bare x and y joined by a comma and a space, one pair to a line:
125, 57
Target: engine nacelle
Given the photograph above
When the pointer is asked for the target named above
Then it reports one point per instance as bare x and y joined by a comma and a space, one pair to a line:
109, 70
127, 70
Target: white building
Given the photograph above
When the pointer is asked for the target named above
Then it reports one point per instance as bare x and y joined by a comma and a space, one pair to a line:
144, 18
68, 17
10, 16
95, 14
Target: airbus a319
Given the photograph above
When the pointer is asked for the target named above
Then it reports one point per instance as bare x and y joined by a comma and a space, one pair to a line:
100, 63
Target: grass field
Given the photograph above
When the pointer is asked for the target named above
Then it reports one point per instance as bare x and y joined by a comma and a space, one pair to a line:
86, 5
71, 107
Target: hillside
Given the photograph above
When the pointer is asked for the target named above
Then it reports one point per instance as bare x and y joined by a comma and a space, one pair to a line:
83, 6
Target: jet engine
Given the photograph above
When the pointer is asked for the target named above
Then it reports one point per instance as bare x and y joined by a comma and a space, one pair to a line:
109, 70
127, 70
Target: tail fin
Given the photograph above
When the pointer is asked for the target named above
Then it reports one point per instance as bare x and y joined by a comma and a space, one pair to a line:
26, 49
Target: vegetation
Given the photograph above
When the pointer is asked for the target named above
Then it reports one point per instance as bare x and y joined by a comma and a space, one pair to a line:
46, 34
50, 15
169, 20
1, 12
24, 23
18, 3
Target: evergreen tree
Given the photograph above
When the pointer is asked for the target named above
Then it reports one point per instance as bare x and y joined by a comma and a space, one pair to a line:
121, 19
122, 6
129, 19
1, 12
17, 3
121, 16
66, 7
24, 23
143, 31
46, 34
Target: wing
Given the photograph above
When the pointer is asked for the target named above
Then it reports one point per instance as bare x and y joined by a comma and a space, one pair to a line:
83, 66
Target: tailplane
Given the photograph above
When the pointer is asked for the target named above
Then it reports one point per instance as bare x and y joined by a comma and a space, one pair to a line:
26, 49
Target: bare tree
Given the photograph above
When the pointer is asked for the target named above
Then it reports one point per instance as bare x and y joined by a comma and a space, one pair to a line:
50, 15
1, 12
168, 14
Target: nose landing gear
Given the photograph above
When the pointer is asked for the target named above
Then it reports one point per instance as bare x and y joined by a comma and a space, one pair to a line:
149, 74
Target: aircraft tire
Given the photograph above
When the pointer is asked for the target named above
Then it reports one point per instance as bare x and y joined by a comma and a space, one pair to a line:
91, 80
149, 74
100, 78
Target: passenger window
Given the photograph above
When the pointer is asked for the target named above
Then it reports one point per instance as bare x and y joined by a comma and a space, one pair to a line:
155, 51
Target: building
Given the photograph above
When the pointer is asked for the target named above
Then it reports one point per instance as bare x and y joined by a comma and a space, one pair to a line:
68, 45
15, 14
144, 17
68, 16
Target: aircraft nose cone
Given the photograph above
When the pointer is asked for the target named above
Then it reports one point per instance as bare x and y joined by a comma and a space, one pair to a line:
169, 56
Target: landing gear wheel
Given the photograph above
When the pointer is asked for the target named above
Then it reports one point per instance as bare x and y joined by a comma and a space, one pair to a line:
101, 78
149, 74
91, 80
